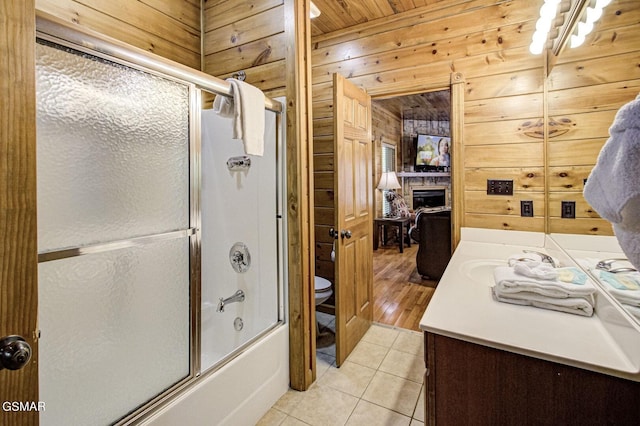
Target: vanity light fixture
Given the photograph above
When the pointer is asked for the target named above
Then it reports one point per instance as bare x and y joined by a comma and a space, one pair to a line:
544, 25
314, 12
563, 22
588, 17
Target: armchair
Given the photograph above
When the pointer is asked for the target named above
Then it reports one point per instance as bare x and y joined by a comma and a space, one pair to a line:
432, 229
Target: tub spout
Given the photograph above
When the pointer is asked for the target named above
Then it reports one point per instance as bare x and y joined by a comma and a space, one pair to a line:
238, 296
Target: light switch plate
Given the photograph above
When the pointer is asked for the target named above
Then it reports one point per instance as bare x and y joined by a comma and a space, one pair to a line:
499, 187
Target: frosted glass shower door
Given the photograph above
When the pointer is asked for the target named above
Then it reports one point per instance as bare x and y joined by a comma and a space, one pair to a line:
114, 236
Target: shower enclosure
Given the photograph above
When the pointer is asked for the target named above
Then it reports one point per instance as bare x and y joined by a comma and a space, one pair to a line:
144, 234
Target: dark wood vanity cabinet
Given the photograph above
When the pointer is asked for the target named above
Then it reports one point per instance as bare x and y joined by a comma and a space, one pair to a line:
471, 384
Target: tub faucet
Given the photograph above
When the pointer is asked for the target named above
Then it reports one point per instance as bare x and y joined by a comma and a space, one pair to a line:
238, 296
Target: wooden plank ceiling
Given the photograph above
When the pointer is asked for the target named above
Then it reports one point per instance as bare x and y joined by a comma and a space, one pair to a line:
340, 14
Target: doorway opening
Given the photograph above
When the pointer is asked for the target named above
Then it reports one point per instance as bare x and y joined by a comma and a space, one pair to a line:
414, 125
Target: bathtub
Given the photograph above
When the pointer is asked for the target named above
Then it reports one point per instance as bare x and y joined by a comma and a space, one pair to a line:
237, 394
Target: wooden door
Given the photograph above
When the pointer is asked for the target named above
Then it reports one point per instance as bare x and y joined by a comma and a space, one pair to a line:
18, 245
354, 211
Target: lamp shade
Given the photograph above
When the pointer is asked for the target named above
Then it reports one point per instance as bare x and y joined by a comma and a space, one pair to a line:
388, 180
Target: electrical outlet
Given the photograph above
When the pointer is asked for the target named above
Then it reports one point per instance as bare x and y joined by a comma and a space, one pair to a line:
526, 208
568, 209
499, 187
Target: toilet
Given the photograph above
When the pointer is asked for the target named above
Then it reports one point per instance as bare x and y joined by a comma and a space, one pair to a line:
323, 289
323, 292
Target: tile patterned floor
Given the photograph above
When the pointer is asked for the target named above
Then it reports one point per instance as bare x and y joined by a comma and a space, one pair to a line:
381, 383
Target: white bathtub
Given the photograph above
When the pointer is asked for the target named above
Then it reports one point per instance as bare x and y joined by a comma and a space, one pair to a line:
237, 394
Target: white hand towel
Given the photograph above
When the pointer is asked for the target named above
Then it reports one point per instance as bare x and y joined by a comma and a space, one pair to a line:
614, 182
223, 106
247, 110
575, 283
544, 271
573, 305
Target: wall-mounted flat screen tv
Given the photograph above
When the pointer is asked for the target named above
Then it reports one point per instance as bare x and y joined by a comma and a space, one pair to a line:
433, 153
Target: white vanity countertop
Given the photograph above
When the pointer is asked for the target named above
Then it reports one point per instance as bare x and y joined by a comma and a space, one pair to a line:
462, 307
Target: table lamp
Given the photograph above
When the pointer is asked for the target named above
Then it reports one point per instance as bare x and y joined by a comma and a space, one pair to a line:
388, 182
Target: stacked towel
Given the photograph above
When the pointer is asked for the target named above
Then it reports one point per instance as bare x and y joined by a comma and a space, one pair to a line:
572, 305
624, 286
613, 188
565, 289
247, 111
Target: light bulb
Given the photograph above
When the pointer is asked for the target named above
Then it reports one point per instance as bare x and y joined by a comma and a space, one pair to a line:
548, 11
576, 40
593, 14
539, 38
543, 25
536, 48
584, 28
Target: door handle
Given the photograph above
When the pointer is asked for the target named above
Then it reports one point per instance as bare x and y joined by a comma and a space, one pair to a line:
15, 353
333, 234
345, 233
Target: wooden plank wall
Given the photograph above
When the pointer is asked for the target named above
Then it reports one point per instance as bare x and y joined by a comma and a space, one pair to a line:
169, 28
247, 35
505, 97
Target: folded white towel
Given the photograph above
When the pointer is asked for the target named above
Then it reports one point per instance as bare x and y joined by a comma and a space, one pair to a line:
573, 305
614, 182
625, 287
571, 282
247, 110
633, 310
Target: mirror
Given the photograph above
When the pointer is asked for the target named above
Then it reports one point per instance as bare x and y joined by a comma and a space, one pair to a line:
602, 258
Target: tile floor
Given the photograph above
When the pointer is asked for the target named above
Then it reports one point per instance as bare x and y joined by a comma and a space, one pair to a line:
380, 383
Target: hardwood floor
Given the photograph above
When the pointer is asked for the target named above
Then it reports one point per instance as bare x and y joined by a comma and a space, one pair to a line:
400, 294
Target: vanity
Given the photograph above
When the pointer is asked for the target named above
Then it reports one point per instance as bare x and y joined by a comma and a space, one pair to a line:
492, 363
